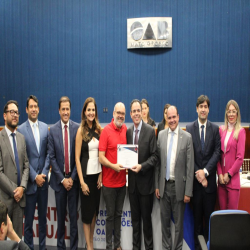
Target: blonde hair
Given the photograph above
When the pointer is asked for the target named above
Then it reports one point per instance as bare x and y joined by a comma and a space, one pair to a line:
237, 125
84, 124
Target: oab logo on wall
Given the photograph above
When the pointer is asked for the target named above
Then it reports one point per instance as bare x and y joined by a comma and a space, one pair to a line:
149, 32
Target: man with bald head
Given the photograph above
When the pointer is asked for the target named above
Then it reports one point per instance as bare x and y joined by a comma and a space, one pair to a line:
174, 177
113, 174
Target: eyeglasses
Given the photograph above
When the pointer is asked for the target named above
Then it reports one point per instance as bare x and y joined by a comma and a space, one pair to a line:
13, 112
234, 112
120, 113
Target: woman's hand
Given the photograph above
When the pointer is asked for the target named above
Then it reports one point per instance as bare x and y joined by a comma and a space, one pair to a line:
99, 181
226, 178
85, 189
221, 180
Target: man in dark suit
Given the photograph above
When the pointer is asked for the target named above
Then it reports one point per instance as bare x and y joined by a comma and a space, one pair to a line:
36, 137
14, 167
206, 142
6, 230
141, 177
174, 175
64, 178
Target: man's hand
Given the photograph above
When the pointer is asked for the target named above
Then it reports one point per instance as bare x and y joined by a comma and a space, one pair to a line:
118, 167
204, 183
18, 194
221, 180
186, 199
200, 175
226, 178
157, 193
67, 184
10, 231
136, 168
40, 179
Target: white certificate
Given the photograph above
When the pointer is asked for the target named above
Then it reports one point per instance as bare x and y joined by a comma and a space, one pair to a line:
127, 155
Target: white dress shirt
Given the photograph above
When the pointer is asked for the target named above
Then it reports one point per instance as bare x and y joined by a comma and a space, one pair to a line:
63, 131
11, 139
37, 129
174, 150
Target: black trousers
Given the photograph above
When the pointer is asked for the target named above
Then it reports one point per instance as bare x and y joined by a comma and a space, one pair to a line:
203, 206
141, 207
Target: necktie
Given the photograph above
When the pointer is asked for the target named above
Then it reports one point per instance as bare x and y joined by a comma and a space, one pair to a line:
202, 137
169, 156
66, 151
136, 137
36, 136
16, 159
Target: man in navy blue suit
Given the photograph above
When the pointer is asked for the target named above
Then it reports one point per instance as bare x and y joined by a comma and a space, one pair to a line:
36, 138
64, 179
206, 142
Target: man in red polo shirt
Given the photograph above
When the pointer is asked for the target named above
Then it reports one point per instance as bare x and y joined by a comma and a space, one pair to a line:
113, 174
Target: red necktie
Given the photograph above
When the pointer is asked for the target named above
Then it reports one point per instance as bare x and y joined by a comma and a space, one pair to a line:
66, 150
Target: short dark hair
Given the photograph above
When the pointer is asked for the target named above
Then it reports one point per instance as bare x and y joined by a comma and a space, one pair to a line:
133, 101
34, 98
7, 104
64, 99
166, 106
201, 99
3, 213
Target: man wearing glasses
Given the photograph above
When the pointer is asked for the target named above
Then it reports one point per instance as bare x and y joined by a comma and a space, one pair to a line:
14, 167
113, 174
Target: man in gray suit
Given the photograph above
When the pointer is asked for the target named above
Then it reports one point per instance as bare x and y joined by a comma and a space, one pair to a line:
6, 230
174, 177
14, 167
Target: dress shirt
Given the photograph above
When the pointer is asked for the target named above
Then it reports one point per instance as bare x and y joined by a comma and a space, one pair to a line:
174, 150
200, 129
11, 139
63, 131
37, 129
139, 130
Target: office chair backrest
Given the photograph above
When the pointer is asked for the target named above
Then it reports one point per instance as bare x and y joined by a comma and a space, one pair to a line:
229, 230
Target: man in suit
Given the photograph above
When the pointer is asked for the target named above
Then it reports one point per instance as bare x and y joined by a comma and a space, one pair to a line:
64, 178
174, 177
14, 167
36, 137
6, 230
141, 176
206, 142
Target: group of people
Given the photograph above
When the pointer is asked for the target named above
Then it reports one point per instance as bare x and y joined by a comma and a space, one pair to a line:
176, 166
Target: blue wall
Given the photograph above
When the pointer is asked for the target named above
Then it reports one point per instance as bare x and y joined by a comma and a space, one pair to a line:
77, 48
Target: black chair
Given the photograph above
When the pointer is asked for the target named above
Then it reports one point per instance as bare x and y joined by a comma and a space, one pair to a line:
228, 230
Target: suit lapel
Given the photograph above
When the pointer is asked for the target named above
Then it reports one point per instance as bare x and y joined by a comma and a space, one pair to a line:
8, 146
60, 137
130, 135
142, 132
197, 135
208, 135
179, 142
19, 151
165, 145
70, 137
31, 135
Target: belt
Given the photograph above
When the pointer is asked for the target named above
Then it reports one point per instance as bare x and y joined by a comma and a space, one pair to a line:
170, 181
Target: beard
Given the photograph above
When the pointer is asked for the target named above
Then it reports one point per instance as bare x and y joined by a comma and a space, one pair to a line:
118, 123
13, 126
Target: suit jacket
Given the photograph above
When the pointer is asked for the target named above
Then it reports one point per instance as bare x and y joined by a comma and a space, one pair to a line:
211, 155
13, 245
233, 157
161, 126
147, 158
56, 153
39, 162
184, 164
8, 170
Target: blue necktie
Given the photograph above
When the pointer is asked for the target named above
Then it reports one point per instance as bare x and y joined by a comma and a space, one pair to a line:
169, 156
202, 138
16, 159
36, 136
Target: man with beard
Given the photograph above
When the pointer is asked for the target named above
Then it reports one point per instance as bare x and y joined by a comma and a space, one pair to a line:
14, 167
36, 137
113, 174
